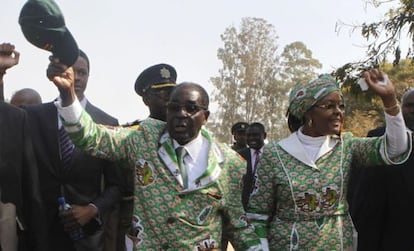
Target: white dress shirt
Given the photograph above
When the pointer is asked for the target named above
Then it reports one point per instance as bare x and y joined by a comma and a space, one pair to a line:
197, 158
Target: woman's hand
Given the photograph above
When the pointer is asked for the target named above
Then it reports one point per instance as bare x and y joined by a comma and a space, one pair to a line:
379, 83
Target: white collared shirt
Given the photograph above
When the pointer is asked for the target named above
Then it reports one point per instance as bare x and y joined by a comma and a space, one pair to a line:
196, 160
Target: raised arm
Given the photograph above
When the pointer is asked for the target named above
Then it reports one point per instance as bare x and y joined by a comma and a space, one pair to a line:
9, 57
397, 140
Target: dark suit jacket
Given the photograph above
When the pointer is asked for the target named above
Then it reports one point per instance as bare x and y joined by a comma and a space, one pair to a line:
382, 205
248, 178
19, 183
81, 183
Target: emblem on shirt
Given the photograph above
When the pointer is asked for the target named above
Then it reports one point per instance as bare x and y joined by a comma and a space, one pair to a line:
204, 214
311, 200
204, 245
308, 201
329, 196
144, 172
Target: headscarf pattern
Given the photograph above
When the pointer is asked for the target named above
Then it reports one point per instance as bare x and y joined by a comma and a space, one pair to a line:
304, 95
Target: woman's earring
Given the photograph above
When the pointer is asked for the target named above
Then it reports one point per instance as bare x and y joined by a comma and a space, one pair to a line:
310, 122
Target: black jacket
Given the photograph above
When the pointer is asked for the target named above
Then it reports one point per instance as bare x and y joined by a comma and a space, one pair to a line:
382, 204
19, 180
81, 183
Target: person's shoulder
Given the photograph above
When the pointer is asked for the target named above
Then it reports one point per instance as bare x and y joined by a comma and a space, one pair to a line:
152, 127
227, 152
102, 116
133, 125
376, 132
8, 108
244, 151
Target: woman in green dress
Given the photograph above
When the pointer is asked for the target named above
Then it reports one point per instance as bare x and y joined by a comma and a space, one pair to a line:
299, 199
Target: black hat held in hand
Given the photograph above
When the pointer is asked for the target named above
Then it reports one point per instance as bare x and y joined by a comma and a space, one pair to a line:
43, 25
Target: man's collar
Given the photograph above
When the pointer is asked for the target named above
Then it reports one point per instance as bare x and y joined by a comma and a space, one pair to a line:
83, 102
193, 146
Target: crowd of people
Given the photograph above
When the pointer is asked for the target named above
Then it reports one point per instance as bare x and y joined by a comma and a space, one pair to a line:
165, 183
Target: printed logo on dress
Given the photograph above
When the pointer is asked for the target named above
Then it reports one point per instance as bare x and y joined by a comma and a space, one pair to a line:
311, 200
308, 201
329, 196
144, 172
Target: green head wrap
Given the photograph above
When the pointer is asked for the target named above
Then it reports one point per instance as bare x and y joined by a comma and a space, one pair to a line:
304, 95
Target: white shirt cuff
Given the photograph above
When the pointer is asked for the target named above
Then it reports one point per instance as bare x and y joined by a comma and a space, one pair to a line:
397, 139
70, 114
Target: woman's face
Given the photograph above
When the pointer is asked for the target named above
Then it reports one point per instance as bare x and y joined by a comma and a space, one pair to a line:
327, 116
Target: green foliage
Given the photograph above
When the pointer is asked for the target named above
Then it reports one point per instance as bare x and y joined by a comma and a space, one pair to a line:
384, 37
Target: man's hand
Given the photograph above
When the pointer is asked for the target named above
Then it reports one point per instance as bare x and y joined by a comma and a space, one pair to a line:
64, 78
83, 214
77, 217
8, 57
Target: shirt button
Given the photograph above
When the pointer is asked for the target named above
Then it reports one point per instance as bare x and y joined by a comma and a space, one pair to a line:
170, 220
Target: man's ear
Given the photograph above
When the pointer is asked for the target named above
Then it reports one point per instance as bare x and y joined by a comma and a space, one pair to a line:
145, 99
206, 115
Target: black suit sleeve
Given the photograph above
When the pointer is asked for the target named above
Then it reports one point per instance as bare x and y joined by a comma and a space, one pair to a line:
32, 205
111, 194
112, 173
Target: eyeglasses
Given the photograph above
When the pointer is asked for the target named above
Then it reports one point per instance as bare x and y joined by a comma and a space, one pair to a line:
189, 108
332, 107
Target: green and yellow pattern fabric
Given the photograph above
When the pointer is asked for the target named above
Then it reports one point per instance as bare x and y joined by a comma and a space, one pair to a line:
299, 206
166, 217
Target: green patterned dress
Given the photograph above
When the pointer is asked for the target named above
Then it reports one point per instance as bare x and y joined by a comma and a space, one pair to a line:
166, 217
302, 205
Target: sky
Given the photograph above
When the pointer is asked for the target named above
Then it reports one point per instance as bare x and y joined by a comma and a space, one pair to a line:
123, 37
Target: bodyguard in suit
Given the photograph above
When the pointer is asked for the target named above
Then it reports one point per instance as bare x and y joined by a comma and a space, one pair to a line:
22, 214
382, 200
183, 179
255, 135
90, 185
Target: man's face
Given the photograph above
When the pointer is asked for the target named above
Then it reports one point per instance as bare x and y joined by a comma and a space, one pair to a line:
408, 110
240, 137
156, 100
81, 76
255, 137
186, 114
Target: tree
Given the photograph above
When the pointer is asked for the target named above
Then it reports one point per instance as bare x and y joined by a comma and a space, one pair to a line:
249, 67
298, 64
364, 112
384, 38
251, 86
